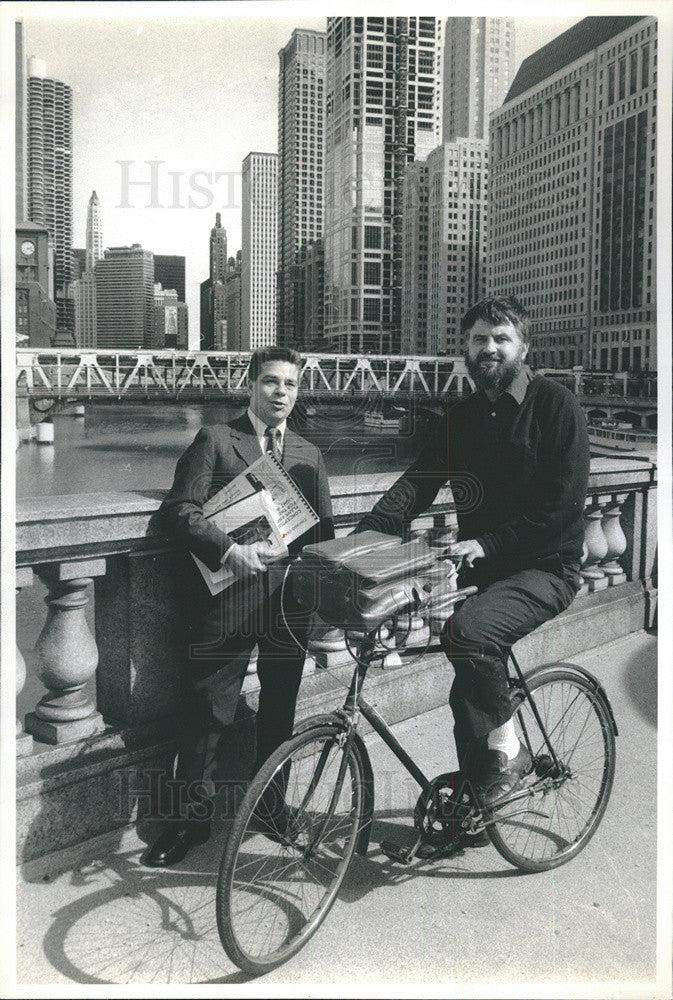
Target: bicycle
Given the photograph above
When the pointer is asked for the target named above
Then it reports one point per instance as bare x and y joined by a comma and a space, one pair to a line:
279, 879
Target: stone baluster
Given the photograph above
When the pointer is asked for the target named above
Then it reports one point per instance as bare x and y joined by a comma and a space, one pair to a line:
596, 549
615, 537
67, 656
24, 742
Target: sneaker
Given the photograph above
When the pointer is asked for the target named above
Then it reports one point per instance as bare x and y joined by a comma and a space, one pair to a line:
497, 776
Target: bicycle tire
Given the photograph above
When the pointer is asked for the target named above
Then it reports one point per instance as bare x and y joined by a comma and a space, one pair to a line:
580, 726
271, 895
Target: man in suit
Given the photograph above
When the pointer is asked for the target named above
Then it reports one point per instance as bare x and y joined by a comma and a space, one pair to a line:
225, 628
516, 454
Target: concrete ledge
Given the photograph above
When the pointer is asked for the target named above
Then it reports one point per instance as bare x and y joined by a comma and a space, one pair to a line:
73, 793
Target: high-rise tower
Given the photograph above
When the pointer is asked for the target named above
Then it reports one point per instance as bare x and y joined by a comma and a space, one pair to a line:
572, 195
94, 232
49, 187
301, 114
125, 298
478, 69
259, 250
20, 122
382, 112
218, 251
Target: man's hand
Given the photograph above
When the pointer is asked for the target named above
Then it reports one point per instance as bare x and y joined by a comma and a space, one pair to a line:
468, 551
249, 560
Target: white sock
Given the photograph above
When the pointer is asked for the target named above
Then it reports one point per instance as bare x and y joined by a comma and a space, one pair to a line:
504, 738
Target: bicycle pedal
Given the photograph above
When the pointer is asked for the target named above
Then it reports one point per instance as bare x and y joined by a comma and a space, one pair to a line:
398, 852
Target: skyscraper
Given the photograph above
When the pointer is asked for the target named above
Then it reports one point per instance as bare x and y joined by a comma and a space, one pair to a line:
457, 212
445, 215
382, 112
94, 232
444, 258
301, 114
478, 69
83, 294
169, 269
259, 251
49, 186
125, 298
212, 289
20, 122
218, 250
572, 206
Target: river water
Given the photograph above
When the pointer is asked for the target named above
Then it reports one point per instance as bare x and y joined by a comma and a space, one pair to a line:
132, 447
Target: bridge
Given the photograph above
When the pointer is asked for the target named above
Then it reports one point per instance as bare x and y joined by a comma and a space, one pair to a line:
70, 374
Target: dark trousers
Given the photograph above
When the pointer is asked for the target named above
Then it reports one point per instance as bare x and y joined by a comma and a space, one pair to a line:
223, 637
478, 637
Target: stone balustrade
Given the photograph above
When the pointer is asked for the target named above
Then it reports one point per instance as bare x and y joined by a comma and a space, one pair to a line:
110, 544
112, 644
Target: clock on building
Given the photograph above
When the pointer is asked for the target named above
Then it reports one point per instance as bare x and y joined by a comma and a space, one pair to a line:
27, 248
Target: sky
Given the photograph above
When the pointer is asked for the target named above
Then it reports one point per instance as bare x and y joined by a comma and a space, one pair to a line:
194, 94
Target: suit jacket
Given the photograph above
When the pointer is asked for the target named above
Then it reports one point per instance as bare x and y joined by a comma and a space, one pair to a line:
216, 456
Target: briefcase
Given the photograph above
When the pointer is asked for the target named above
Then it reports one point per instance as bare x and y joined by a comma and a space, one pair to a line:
348, 581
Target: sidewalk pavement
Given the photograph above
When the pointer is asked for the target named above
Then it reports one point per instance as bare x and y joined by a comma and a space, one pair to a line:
464, 926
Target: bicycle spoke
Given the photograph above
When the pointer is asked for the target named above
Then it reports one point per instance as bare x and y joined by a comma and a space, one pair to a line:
565, 807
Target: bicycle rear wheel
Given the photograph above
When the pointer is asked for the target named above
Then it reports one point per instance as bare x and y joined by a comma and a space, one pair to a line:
559, 809
277, 883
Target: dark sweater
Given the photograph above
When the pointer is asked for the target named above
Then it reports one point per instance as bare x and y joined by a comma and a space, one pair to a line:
518, 470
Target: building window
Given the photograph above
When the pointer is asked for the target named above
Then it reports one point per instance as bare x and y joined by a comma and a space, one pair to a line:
372, 238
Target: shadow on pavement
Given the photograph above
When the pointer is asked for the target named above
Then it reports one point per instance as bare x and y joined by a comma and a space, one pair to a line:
640, 680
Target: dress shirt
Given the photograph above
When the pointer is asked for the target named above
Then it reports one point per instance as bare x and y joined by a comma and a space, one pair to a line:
260, 431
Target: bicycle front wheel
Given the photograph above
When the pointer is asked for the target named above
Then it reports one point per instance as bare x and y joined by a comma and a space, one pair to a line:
559, 807
278, 879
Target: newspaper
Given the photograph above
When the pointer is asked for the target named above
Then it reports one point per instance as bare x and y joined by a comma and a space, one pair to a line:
260, 504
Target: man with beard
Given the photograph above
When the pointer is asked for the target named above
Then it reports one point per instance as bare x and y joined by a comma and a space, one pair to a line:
516, 454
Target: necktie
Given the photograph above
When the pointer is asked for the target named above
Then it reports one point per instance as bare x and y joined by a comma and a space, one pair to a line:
272, 435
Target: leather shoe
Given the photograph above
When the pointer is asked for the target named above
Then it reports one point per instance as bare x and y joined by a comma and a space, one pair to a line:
498, 776
172, 846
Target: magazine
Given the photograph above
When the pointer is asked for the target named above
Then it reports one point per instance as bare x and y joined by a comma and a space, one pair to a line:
260, 504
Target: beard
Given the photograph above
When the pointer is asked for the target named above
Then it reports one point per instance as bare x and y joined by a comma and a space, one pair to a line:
497, 378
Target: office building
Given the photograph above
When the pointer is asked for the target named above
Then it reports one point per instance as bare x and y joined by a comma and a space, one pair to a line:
49, 186
165, 332
382, 113
233, 307
77, 262
572, 207
444, 250
478, 70
19, 123
259, 250
311, 295
125, 298
414, 333
301, 143
169, 271
94, 232
457, 213
82, 291
35, 308
211, 298
218, 250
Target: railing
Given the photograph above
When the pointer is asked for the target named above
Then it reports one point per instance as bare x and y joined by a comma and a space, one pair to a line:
112, 544
188, 375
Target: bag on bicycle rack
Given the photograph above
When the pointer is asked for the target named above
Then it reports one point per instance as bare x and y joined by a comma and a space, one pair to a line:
352, 582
